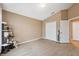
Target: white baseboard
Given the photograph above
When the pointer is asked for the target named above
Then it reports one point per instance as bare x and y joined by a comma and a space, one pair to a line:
64, 41
49, 39
57, 41
28, 41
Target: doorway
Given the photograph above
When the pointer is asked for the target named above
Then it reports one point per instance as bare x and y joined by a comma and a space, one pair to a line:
75, 32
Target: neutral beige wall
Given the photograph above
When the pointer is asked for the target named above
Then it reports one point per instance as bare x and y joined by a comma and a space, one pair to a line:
0, 5
73, 11
24, 28
64, 15
55, 17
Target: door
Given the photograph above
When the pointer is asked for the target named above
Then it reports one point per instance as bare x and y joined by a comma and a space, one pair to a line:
50, 31
64, 31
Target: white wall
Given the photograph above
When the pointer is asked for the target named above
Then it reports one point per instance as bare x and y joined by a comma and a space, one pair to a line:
50, 29
0, 27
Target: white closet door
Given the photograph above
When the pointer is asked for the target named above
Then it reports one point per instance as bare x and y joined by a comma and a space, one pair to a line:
64, 31
51, 31
75, 29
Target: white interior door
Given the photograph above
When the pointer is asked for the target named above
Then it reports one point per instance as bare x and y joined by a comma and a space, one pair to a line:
64, 31
50, 31
75, 29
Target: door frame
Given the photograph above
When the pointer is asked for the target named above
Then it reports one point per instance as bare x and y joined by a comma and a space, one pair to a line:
73, 42
74, 20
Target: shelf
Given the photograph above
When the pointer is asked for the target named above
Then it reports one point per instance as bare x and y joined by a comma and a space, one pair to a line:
6, 44
4, 22
6, 30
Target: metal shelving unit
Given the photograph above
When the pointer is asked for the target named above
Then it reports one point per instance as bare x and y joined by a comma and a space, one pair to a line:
7, 38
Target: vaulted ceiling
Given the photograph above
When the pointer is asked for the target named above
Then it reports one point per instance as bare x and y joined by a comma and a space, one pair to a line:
36, 10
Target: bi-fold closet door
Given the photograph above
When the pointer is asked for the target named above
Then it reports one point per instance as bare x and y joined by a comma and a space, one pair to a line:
50, 31
64, 31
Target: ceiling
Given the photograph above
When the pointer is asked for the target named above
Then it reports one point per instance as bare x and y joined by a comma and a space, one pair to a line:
36, 10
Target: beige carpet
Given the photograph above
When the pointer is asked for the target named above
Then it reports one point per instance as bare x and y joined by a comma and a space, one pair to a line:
44, 47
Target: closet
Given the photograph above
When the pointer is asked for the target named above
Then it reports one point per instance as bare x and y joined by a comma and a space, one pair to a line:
57, 27
64, 31
50, 31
